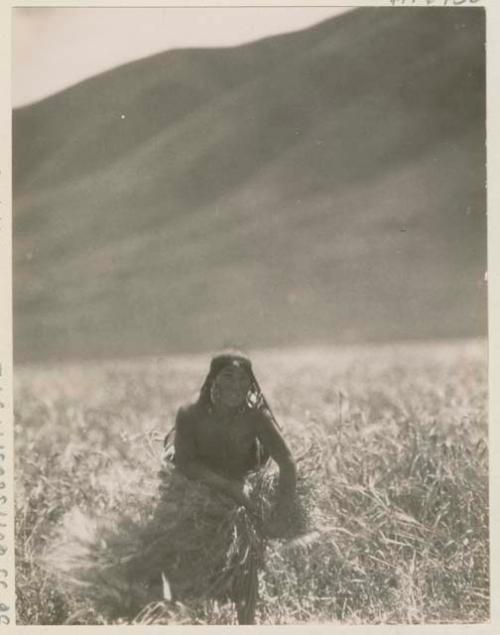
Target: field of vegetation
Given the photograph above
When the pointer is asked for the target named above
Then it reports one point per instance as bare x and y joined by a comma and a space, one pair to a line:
392, 441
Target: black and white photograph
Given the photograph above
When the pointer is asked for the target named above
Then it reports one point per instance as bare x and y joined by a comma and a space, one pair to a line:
249, 259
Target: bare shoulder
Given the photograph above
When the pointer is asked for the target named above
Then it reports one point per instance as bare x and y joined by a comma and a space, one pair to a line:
187, 414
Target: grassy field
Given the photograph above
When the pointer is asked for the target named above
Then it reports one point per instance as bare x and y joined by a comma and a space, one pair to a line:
393, 441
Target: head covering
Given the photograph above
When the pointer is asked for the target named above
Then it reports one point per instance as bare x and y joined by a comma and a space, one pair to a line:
218, 363
255, 398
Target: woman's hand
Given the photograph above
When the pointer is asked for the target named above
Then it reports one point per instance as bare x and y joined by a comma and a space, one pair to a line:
239, 494
278, 524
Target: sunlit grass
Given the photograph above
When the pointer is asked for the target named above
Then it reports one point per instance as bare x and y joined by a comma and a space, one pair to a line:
392, 443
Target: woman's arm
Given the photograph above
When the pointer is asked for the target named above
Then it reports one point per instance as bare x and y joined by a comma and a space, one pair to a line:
273, 441
189, 464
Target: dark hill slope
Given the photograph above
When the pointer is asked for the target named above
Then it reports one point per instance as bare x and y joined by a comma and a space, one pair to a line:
326, 185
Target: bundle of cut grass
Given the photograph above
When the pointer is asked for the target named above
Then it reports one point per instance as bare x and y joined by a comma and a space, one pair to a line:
198, 546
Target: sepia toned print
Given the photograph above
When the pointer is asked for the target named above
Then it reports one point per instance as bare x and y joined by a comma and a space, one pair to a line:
312, 205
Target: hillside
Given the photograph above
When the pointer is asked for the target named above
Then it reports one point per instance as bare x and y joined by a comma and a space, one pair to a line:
321, 186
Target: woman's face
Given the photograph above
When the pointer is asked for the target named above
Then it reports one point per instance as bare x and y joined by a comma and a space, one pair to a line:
232, 386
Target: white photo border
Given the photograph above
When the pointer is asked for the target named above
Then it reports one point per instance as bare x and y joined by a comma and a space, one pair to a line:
7, 572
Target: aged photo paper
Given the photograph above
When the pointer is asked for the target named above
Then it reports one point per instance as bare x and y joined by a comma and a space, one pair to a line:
249, 353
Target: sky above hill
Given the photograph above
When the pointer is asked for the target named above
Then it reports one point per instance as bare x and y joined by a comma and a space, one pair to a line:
54, 48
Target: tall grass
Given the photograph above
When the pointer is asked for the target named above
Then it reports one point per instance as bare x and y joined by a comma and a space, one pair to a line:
391, 444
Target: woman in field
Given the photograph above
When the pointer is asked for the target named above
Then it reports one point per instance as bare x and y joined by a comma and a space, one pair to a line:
215, 503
